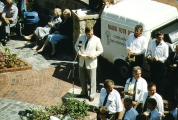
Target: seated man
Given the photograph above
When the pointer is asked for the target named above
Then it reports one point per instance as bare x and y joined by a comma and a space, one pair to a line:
130, 112
41, 32
64, 31
9, 18
154, 114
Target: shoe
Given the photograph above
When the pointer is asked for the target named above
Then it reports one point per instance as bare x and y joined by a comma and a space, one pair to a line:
27, 37
52, 55
35, 47
81, 96
39, 52
91, 99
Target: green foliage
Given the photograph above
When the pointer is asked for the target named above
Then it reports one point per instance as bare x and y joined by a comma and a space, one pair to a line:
76, 109
7, 59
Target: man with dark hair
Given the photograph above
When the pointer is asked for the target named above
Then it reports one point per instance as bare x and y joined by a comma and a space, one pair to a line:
135, 86
130, 112
9, 18
152, 94
111, 98
154, 114
172, 71
136, 46
172, 106
156, 56
90, 49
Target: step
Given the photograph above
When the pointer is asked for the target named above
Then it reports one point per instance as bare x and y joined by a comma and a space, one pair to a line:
77, 91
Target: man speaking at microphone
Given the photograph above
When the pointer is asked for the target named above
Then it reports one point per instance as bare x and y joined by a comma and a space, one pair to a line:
88, 47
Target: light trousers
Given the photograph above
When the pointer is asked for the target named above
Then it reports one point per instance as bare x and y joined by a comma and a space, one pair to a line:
90, 75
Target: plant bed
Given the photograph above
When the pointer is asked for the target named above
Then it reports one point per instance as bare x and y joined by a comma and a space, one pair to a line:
10, 62
71, 109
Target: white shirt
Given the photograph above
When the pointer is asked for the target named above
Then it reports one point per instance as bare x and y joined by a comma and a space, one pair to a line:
137, 45
88, 44
174, 113
159, 100
141, 88
131, 114
114, 103
161, 51
155, 115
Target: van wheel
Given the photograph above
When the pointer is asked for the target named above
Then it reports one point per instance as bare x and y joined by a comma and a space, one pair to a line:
122, 69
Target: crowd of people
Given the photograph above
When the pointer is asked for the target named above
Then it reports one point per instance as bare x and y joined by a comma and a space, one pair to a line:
141, 100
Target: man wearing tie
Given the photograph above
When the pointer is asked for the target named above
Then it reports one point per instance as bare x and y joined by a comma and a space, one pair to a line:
173, 70
111, 98
154, 114
152, 94
130, 112
138, 86
90, 49
156, 57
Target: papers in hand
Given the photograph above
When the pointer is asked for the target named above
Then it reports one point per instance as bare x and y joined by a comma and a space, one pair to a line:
83, 55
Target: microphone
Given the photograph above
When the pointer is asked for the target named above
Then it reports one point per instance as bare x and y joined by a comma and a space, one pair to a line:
80, 44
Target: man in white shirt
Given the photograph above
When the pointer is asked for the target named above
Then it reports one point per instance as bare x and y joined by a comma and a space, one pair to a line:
154, 114
152, 94
111, 98
136, 46
136, 85
157, 54
172, 105
130, 112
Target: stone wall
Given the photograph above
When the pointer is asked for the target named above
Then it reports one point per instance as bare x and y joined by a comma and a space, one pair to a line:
81, 21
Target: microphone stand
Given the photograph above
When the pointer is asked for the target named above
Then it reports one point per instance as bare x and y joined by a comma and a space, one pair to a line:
72, 70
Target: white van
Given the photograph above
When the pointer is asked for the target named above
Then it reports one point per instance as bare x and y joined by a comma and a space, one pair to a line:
118, 21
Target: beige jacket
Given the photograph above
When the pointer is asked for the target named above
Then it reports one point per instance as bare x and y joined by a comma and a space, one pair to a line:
94, 48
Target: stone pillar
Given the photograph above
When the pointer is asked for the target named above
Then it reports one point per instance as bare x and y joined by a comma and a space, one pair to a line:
80, 22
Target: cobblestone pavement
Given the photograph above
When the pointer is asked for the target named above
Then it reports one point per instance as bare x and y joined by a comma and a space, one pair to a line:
44, 85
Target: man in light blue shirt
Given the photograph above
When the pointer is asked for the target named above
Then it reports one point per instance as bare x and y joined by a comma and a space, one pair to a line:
172, 105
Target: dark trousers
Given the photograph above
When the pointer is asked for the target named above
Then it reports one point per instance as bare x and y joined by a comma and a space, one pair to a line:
138, 61
157, 71
173, 82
